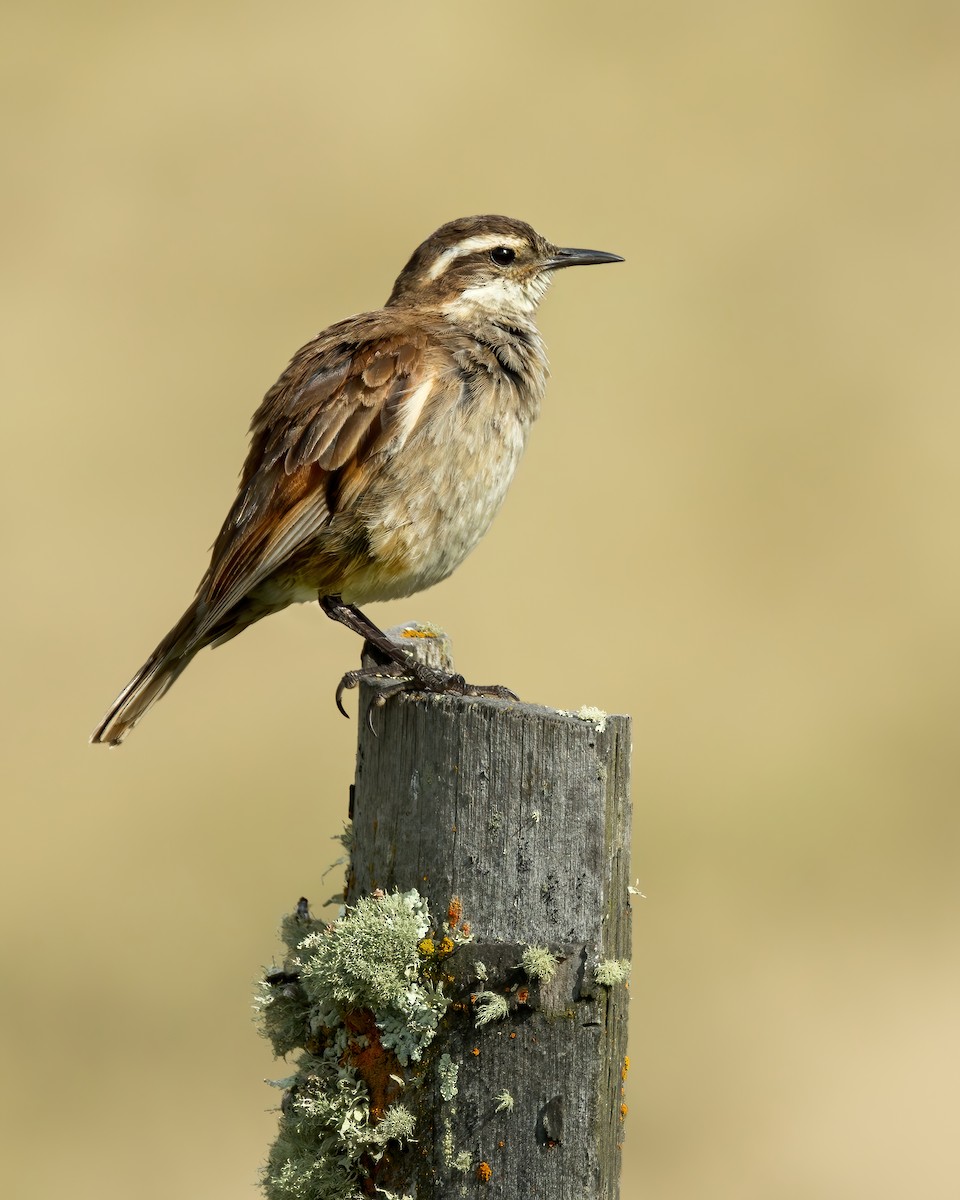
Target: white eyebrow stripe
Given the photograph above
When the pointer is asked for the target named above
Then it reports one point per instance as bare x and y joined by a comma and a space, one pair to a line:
482, 241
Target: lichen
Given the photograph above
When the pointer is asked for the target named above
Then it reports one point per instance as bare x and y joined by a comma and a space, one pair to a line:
368, 958
490, 1006
324, 1131
596, 716
461, 1160
539, 962
422, 629
587, 712
504, 1102
356, 999
611, 971
448, 1071
397, 1122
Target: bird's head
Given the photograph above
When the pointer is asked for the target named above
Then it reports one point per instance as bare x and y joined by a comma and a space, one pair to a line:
490, 266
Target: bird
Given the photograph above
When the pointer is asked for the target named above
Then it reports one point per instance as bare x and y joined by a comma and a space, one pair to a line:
381, 455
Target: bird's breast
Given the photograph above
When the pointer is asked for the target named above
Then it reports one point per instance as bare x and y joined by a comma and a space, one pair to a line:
435, 498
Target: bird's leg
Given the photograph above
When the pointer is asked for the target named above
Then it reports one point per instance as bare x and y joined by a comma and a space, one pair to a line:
394, 662
406, 671
359, 622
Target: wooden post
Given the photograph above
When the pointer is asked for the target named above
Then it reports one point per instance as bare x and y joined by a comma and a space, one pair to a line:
513, 820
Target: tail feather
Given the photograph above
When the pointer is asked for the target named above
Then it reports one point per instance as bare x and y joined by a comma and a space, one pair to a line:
155, 677
174, 654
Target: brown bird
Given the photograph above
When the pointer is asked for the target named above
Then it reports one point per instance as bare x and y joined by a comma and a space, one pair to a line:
380, 456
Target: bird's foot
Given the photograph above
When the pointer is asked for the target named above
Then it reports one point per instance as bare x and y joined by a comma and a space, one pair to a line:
390, 677
415, 676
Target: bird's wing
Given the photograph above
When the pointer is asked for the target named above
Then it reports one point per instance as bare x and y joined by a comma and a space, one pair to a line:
347, 401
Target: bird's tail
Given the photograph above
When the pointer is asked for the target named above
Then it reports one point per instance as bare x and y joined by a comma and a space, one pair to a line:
155, 677
192, 632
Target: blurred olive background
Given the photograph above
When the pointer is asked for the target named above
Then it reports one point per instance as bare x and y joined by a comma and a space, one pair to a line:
737, 520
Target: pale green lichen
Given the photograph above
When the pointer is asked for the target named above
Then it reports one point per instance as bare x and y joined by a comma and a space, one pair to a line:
480, 969
324, 1131
370, 959
504, 1102
364, 968
447, 1070
611, 971
397, 1122
447, 1147
539, 962
456, 1160
596, 716
490, 1006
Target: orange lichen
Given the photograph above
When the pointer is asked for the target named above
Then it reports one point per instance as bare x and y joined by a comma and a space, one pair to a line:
375, 1065
623, 1111
455, 910
484, 1171
475, 1052
446, 946
626, 1066
523, 995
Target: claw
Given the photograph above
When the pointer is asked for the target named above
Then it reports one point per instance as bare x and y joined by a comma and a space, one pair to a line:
376, 702
349, 680
388, 672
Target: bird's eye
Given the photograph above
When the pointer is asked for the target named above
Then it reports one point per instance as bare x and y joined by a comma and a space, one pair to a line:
503, 256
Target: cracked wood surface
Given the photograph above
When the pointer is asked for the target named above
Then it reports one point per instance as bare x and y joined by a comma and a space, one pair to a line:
522, 814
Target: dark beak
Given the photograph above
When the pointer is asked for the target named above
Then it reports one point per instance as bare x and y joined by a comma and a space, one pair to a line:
566, 256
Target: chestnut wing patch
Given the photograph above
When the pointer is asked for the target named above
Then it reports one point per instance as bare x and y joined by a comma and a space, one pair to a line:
336, 410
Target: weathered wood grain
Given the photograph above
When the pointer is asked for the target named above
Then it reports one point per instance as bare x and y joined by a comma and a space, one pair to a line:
520, 815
